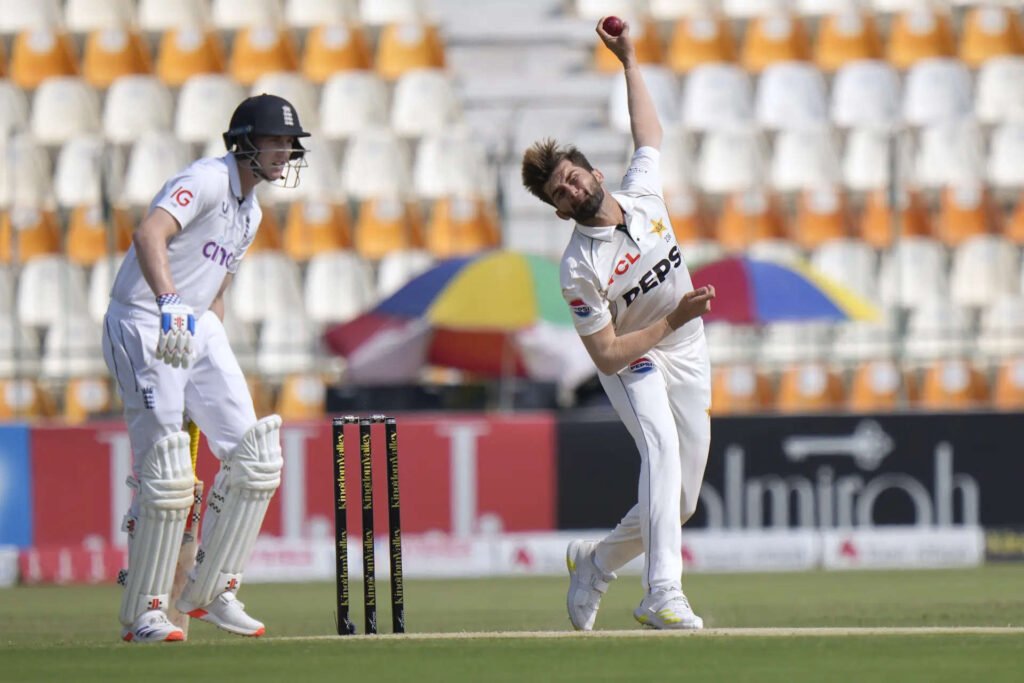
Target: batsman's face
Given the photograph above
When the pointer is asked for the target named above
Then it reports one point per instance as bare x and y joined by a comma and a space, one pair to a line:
275, 152
576, 192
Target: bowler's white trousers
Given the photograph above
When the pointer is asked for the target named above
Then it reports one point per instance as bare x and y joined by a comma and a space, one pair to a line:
212, 389
665, 404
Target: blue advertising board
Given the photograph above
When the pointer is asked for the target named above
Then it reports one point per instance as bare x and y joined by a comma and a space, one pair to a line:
15, 486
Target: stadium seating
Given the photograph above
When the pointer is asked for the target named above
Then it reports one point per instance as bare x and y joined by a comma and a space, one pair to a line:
87, 397
739, 389
39, 54
136, 105
158, 16
846, 36
333, 48
261, 49
329, 274
809, 388
186, 52
111, 53
387, 224
700, 40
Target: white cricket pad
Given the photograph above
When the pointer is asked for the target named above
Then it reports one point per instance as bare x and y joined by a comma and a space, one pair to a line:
155, 523
235, 508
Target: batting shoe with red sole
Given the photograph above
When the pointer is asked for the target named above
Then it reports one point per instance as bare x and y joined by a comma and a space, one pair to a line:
668, 609
152, 627
587, 583
225, 612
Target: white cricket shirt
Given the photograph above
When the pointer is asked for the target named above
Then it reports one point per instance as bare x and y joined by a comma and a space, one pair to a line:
629, 276
217, 226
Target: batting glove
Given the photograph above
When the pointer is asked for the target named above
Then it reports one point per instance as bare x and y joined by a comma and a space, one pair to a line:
177, 328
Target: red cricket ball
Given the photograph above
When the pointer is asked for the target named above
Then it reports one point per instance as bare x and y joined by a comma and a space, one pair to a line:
613, 26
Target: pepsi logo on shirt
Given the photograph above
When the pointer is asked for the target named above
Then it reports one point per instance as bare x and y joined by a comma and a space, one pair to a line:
641, 365
580, 308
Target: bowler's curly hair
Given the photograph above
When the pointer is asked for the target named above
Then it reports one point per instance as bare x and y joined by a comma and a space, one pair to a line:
540, 160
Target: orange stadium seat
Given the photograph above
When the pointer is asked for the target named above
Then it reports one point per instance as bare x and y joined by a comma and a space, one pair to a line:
3, 60
774, 38
28, 233
877, 386
686, 216
262, 395
748, 217
700, 40
989, 32
268, 237
1008, 393
964, 211
86, 397
821, 216
918, 34
952, 385
387, 225
809, 387
260, 50
39, 54
878, 226
739, 389
187, 52
330, 49
302, 397
845, 37
314, 226
460, 226
408, 46
88, 240
23, 399
112, 53
648, 48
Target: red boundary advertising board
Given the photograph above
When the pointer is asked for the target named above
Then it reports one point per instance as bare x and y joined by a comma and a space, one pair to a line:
458, 474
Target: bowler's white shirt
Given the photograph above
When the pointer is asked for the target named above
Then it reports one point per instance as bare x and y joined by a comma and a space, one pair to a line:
217, 226
629, 277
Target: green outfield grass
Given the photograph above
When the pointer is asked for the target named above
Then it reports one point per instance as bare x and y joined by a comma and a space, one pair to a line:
70, 634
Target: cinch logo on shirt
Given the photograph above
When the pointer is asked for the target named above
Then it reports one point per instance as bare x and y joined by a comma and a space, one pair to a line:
655, 276
641, 365
218, 254
580, 308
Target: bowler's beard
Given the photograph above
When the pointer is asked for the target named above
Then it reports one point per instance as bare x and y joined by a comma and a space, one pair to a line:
590, 206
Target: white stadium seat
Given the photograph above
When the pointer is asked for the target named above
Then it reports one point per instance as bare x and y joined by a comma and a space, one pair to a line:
232, 15
13, 108
48, 288
304, 14
867, 161
83, 16
949, 153
6, 290
1001, 333
21, 15
101, 279
776, 250
937, 330
63, 107
1004, 167
136, 105
160, 15
791, 95
664, 90
296, 89
382, 12
452, 163
243, 340
154, 159
788, 343
913, 272
717, 96
398, 267
72, 348
76, 180
424, 102
866, 93
937, 90
19, 349
804, 158
339, 286
730, 344
984, 269
730, 161
317, 182
563, 123
205, 105
376, 164
287, 344
851, 263
352, 101
267, 285
698, 252
1000, 90
25, 173
595, 9
677, 162
859, 341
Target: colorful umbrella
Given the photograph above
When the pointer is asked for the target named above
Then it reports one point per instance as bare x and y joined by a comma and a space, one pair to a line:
755, 291
499, 313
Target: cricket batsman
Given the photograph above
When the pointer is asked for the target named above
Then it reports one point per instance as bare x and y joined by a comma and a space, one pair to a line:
164, 342
624, 278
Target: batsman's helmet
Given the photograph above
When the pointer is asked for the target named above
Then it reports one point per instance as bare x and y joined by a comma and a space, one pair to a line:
267, 115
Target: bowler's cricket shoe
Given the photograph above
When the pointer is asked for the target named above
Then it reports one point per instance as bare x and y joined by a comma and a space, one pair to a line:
152, 627
667, 609
226, 612
587, 583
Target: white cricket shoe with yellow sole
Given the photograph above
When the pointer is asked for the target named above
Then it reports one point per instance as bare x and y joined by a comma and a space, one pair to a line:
225, 612
667, 610
587, 583
152, 626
